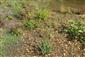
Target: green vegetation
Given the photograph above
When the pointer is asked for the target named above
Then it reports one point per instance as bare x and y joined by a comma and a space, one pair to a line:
15, 31
42, 14
29, 27
83, 40
7, 40
16, 6
30, 24
10, 39
44, 47
9, 17
76, 29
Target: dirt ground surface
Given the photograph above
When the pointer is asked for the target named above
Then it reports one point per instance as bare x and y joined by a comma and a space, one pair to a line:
62, 46
48, 29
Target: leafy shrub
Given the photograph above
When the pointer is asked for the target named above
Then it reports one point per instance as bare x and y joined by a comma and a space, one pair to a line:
76, 29
44, 47
30, 24
42, 14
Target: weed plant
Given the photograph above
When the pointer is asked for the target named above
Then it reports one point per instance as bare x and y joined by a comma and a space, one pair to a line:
44, 47
15, 32
76, 29
10, 39
16, 6
9, 18
42, 14
7, 40
30, 24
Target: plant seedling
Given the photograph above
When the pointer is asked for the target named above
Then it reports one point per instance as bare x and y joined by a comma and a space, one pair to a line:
42, 14
30, 24
16, 6
9, 17
44, 47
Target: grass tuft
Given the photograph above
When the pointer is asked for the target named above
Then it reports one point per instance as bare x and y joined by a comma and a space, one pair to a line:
7, 40
44, 47
42, 14
30, 24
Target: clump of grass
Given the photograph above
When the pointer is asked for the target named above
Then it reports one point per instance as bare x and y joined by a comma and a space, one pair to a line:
76, 29
30, 24
9, 18
15, 31
42, 14
44, 47
7, 40
16, 6
10, 39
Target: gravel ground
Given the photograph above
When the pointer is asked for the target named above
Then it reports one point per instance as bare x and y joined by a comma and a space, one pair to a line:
48, 29
62, 46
